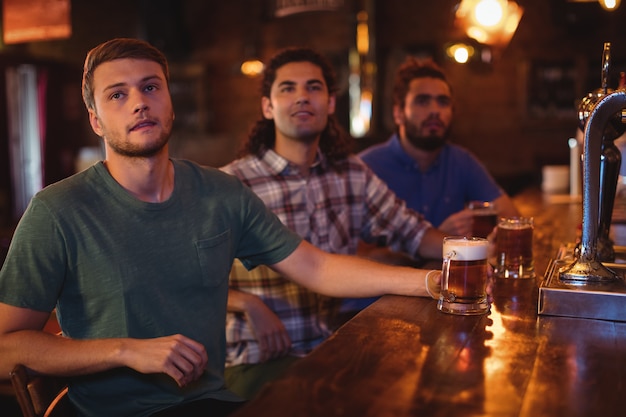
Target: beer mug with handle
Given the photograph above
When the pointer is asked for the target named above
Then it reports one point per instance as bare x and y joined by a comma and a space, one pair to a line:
464, 276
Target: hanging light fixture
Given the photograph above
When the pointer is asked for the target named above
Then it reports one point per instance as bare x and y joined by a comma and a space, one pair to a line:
460, 52
470, 52
609, 5
490, 22
252, 67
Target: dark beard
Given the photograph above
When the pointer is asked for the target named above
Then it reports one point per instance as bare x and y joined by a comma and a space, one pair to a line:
425, 143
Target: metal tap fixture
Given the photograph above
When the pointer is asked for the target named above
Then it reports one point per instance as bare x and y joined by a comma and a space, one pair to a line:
600, 116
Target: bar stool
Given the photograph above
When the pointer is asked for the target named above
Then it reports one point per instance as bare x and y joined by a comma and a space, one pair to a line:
41, 395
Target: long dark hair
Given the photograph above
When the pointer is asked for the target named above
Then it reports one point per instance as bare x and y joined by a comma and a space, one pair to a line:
335, 143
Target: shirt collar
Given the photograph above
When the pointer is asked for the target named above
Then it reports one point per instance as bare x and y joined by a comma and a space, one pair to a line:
279, 165
406, 159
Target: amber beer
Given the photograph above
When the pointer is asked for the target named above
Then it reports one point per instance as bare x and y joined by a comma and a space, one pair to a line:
464, 276
485, 218
514, 248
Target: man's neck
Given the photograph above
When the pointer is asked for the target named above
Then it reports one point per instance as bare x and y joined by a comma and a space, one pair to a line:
299, 153
147, 179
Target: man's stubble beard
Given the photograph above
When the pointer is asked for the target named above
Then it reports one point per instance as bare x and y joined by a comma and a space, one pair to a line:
138, 152
305, 137
141, 151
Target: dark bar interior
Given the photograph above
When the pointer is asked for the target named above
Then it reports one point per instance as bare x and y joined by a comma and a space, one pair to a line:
523, 97
516, 108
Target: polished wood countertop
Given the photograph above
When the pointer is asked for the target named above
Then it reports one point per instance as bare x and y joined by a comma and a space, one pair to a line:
402, 357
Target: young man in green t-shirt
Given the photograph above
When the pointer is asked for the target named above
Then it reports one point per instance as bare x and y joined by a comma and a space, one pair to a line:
134, 254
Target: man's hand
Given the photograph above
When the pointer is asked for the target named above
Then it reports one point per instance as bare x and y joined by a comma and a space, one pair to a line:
270, 332
458, 224
178, 356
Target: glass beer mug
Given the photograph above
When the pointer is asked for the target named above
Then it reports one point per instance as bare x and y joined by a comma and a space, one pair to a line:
514, 248
484, 217
464, 276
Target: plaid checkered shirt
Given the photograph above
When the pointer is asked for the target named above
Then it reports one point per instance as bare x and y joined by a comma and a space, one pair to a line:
332, 208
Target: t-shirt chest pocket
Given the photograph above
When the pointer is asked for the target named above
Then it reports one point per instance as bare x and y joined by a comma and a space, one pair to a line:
215, 258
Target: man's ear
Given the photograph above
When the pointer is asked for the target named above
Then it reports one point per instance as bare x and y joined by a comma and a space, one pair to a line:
398, 115
267, 108
332, 102
94, 121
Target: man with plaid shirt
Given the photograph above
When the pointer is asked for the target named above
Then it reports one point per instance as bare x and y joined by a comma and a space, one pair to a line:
299, 162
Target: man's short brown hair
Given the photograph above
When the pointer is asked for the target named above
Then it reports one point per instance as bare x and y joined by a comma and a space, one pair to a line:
118, 48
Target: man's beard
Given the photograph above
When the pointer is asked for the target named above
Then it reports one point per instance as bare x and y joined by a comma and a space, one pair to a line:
139, 151
122, 147
425, 143
305, 136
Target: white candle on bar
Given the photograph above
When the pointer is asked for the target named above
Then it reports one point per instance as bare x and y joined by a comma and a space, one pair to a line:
574, 167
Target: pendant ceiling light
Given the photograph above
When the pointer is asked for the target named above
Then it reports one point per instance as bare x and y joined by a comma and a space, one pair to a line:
490, 22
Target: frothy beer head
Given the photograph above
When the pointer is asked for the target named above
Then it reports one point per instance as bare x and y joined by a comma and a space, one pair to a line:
465, 249
515, 226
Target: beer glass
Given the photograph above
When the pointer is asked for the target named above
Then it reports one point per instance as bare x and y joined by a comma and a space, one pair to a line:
464, 276
484, 217
514, 248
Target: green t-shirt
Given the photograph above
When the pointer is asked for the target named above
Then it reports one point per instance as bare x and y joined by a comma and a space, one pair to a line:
114, 266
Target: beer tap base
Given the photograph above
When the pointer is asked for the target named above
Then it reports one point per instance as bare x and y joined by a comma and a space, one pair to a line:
603, 299
582, 272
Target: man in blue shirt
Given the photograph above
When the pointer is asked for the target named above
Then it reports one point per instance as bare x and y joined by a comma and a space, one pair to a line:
435, 177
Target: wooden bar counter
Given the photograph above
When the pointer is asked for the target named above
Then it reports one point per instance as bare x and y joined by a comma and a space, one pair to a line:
402, 357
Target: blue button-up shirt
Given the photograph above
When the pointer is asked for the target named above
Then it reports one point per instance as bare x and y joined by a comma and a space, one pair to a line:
454, 179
